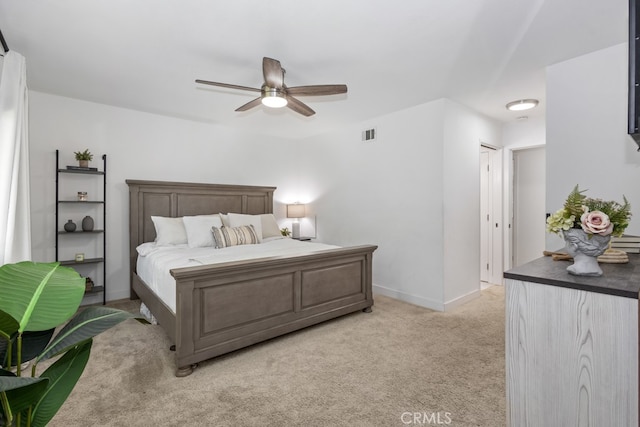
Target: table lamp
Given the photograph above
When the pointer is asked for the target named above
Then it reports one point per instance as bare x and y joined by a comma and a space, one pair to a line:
295, 211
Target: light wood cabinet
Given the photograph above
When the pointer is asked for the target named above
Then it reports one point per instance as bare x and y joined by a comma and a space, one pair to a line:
571, 351
572, 357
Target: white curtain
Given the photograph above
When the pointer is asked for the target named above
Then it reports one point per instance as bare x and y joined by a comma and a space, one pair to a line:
15, 217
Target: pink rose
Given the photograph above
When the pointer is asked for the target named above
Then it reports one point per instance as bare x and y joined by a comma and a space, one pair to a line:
596, 222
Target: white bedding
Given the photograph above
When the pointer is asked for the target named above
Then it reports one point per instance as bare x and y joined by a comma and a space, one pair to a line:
154, 262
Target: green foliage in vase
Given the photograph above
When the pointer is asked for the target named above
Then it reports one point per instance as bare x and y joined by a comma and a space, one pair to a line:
574, 202
594, 216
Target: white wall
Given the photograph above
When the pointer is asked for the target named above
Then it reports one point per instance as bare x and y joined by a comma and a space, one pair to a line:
524, 134
464, 130
587, 141
414, 192
140, 146
387, 192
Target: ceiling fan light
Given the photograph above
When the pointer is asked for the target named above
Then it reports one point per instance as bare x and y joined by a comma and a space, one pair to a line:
522, 104
273, 98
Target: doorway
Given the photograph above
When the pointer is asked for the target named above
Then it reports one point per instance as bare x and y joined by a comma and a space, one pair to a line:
528, 196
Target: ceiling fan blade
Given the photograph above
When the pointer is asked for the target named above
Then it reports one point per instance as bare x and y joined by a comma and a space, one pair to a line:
250, 104
316, 90
299, 107
273, 73
227, 85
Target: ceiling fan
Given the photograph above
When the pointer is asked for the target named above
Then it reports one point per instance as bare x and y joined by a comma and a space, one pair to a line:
275, 94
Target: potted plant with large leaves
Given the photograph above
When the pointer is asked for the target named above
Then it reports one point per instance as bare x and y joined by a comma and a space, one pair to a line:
36, 299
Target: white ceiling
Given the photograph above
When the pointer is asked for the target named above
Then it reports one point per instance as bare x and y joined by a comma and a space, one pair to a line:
146, 54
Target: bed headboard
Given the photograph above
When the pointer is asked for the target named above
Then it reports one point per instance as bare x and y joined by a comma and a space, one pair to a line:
175, 199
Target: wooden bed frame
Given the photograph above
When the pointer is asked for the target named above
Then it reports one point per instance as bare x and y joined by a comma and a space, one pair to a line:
224, 307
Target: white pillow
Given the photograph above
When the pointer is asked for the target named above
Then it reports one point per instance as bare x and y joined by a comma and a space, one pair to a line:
269, 226
225, 219
198, 229
169, 231
238, 220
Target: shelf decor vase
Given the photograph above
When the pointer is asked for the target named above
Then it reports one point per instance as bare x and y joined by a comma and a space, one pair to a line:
70, 226
585, 249
87, 223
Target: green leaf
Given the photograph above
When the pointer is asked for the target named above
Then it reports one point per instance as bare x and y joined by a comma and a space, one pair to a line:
63, 375
8, 328
40, 296
86, 324
574, 202
8, 325
22, 392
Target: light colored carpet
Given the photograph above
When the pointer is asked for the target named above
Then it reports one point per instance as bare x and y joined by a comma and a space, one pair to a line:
376, 369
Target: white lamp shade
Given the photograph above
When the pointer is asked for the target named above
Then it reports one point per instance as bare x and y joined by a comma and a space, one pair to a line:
295, 211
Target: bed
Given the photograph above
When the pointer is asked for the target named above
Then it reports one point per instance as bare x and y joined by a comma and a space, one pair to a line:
226, 306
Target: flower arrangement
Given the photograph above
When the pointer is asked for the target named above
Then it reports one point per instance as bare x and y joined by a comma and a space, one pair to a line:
594, 216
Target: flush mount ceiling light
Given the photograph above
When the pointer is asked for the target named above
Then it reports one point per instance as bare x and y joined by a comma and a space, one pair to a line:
272, 97
522, 104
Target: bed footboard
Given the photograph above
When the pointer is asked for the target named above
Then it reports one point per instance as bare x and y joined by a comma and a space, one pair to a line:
225, 307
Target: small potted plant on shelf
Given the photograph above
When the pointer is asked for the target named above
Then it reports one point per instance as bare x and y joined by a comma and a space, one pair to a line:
84, 157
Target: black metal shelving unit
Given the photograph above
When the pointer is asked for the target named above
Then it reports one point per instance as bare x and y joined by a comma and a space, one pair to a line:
100, 287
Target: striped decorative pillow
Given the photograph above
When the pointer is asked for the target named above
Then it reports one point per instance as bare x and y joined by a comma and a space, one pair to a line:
234, 236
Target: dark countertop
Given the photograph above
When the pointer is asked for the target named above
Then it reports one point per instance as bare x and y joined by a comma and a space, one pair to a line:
617, 279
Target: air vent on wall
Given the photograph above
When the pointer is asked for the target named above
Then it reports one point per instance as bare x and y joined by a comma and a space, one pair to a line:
369, 135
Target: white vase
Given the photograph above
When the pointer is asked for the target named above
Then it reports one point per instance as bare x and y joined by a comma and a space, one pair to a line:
585, 249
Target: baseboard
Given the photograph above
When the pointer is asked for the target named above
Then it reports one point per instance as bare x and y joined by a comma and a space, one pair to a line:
456, 302
425, 302
411, 299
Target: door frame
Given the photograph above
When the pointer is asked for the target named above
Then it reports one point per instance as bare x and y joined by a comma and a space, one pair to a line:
509, 203
496, 212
